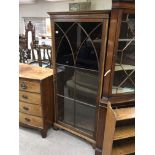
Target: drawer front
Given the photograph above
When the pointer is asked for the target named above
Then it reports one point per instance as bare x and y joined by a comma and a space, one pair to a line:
31, 120
30, 109
30, 97
32, 86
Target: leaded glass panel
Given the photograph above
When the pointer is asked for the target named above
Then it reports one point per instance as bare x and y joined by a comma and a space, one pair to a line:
78, 46
124, 75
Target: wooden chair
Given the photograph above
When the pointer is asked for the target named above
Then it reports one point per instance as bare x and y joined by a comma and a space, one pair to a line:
22, 41
30, 28
24, 55
42, 55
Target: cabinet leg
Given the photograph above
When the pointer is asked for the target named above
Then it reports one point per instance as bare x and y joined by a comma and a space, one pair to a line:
55, 128
93, 146
98, 151
43, 133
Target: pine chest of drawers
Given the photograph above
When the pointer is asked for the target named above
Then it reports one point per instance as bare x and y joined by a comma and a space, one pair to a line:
36, 97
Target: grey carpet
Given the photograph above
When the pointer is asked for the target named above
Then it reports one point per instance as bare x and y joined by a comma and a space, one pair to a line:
57, 143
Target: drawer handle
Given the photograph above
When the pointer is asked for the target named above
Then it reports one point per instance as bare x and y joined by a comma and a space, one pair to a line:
23, 85
27, 119
25, 108
25, 97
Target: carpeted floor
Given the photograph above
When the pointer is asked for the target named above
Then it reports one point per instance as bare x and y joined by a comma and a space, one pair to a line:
57, 143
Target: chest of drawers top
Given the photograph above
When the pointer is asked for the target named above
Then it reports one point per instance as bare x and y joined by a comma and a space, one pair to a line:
33, 72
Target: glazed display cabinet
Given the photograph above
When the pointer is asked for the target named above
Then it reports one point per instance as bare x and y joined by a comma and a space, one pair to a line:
93, 57
116, 119
79, 48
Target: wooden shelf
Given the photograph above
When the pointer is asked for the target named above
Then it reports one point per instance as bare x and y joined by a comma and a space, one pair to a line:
124, 113
126, 40
119, 67
124, 132
116, 90
124, 148
119, 140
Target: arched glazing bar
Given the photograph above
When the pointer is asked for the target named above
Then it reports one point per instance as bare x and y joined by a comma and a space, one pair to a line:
88, 37
67, 41
64, 34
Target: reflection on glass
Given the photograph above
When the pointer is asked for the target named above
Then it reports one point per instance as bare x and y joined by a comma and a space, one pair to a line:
86, 85
86, 57
124, 76
85, 117
65, 74
78, 46
65, 109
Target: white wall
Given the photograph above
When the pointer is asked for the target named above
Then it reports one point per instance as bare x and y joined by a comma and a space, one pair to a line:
101, 4
40, 9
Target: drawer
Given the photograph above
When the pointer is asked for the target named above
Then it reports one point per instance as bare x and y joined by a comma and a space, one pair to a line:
30, 97
32, 109
30, 120
32, 86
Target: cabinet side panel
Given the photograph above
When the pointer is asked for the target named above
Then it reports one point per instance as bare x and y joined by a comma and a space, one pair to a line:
109, 132
101, 125
110, 51
101, 113
47, 100
54, 67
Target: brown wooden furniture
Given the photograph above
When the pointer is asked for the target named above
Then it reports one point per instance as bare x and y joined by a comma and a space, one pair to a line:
36, 97
43, 53
22, 42
30, 28
118, 84
24, 53
93, 62
119, 131
78, 53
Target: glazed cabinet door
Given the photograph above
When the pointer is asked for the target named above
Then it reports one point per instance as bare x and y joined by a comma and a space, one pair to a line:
124, 58
119, 75
78, 46
78, 50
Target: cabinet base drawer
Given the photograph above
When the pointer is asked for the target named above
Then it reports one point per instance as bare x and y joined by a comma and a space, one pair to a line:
30, 97
31, 120
31, 109
26, 85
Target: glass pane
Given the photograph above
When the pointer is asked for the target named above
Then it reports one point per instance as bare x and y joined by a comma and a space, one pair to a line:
85, 117
86, 57
64, 55
65, 110
63, 45
124, 76
78, 46
86, 85
65, 81
89, 49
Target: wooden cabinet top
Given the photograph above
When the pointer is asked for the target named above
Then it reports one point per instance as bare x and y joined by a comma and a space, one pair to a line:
123, 4
34, 72
132, 1
81, 14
